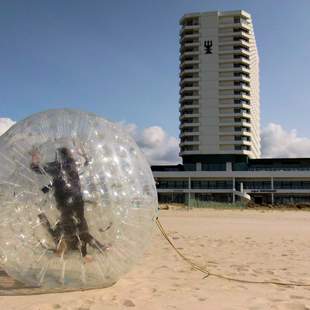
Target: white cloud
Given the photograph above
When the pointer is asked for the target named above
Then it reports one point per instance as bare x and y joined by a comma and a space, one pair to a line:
158, 147
279, 142
5, 124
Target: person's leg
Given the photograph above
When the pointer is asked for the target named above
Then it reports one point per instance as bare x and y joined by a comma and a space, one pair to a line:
55, 233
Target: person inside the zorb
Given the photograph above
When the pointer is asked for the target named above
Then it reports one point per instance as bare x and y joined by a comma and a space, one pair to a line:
71, 231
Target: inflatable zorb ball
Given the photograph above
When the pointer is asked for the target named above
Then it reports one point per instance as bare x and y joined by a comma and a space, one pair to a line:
77, 201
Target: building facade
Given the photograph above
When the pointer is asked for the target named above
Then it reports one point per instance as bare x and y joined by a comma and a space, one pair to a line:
272, 181
220, 120
219, 85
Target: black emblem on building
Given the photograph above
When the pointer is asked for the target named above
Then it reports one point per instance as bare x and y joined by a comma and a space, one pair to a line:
208, 47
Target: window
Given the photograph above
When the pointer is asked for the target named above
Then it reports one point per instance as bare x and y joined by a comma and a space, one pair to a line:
245, 74
241, 65
242, 92
189, 148
189, 138
172, 184
242, 138
211, 184
239, 47
242, 148
241, 101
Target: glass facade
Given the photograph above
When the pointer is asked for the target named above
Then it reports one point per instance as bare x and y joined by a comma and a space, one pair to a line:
172, 184
254, 184
292, 184
211, 184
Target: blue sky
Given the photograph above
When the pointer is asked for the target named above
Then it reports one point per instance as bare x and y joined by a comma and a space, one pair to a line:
119, 59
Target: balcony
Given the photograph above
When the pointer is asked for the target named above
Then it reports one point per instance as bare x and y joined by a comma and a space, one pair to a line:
188, 71
186, 124
188, 63
234, 42
233, 60
189, 143
185, 134
190, 37
234, 87
185, 90
231, 68
186, 82
234, 49
233, 123
188, 115
233, 142
232, 78
243, 24
194, 52
234, 33
188, 47
233, 114
231, 133
241, 96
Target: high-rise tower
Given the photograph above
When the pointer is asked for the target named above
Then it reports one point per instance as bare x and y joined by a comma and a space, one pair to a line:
219, 85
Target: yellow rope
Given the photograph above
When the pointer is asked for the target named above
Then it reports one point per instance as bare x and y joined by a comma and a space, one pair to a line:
207, 273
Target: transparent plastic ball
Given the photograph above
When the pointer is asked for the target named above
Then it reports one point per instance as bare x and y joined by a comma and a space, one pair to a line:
77, 201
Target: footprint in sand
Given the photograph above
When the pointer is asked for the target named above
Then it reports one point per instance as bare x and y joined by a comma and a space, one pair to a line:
202, 299
128, 303
296, 297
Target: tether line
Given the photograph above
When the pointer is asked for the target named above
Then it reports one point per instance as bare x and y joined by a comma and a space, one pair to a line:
208, 273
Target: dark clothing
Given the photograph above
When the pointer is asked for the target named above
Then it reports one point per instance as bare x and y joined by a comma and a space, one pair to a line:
72, 226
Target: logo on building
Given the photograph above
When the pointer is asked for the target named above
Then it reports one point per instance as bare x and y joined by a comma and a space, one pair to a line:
208, 46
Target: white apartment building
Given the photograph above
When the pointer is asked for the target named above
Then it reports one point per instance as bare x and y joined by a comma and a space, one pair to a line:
220, 121
219, 85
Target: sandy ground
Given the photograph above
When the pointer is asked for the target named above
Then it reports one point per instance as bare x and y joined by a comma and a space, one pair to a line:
249, 244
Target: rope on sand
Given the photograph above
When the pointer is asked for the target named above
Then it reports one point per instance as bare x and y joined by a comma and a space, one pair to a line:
208, 273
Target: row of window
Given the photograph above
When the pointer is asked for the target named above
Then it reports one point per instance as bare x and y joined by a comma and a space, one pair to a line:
240, 19
242, 92
190, 129
189, 32
241, 83
191, 22
242, 138
228, 184
242, 147
239, 29
242, 128
238, 56
189, 111
241, 65
241, 101
239, 47
195, 184
238, 38
242, 119
189, 139
185, 148
190, 93
245, 74
242, 110
191, 120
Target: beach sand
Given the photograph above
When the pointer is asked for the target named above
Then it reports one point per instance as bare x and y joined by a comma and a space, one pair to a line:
247, 244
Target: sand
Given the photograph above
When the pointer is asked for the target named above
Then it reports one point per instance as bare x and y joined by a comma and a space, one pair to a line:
247, 244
